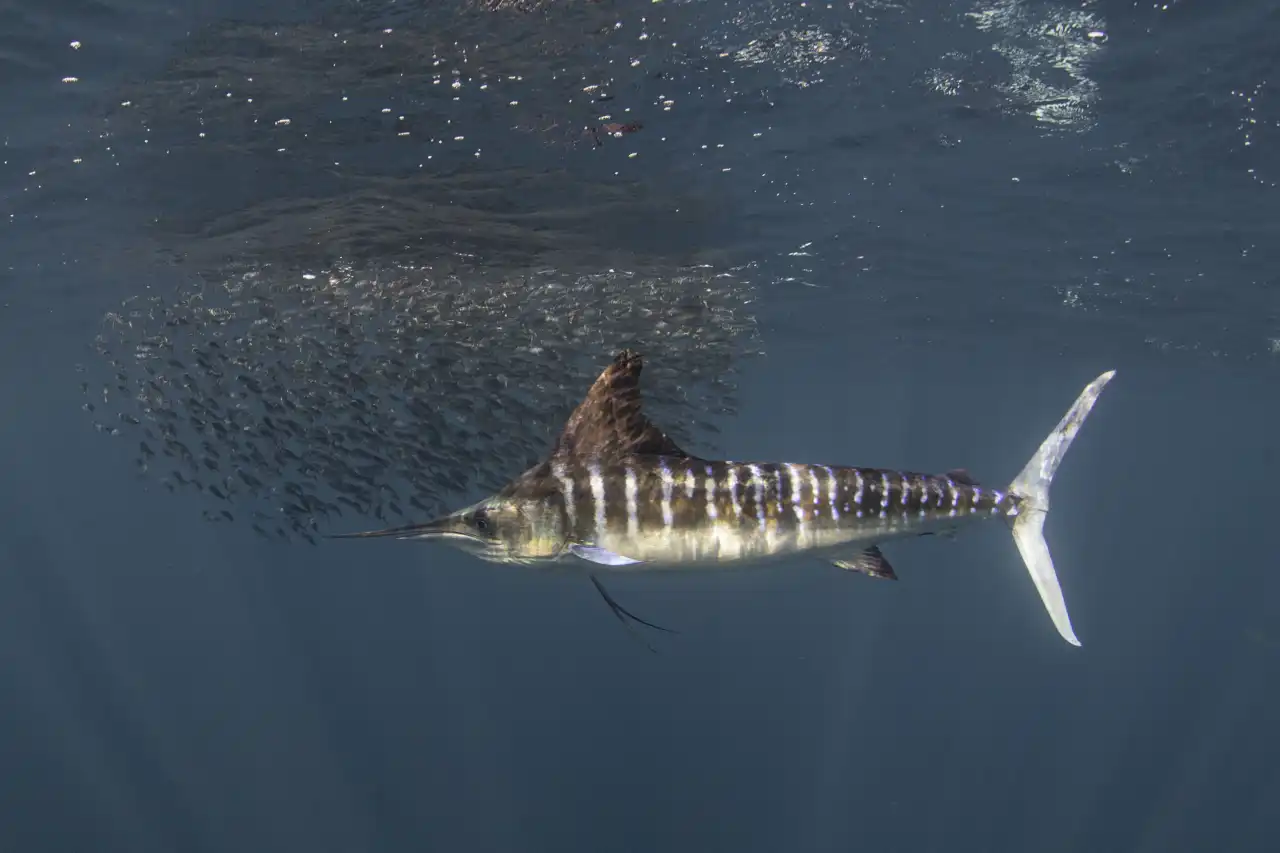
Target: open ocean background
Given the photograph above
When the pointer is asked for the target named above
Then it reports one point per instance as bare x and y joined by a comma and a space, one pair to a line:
271, 271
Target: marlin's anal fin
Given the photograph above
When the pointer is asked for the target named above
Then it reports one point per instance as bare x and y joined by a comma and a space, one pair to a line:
870, 563
603, 557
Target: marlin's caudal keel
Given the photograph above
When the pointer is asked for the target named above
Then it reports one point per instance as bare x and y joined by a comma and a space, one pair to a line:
617, 492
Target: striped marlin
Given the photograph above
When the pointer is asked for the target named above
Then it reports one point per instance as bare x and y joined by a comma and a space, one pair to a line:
617, 492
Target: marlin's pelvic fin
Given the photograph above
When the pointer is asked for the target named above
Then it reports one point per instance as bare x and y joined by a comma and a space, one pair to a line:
623, 614
1032, 486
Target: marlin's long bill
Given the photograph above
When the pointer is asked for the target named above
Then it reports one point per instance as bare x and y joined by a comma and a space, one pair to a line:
430, 530
617, 492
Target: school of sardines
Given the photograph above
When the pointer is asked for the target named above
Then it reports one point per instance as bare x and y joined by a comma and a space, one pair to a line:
286, 401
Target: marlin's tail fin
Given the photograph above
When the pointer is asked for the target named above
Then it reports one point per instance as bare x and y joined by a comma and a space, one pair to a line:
1032, 486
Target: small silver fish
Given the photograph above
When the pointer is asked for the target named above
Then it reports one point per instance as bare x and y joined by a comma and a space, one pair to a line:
616, 491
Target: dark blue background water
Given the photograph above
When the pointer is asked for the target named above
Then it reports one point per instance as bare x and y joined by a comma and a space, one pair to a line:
956, 214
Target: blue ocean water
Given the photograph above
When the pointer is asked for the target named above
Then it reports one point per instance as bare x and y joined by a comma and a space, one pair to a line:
899, 234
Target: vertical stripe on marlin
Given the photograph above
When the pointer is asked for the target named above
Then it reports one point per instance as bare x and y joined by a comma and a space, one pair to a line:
711, 493
797, 496
668, 484
732, 477
757, 484
633, 510
793, 480
833, 490
857, 495
566, 492
796, 493
597, 497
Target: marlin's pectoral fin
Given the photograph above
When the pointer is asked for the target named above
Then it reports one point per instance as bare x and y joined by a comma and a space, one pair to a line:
592, 554
870, 563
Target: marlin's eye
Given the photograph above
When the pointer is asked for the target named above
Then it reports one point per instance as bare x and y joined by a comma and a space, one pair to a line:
481, 520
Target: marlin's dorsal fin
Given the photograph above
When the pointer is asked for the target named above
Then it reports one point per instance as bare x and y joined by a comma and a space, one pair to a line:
610, 421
